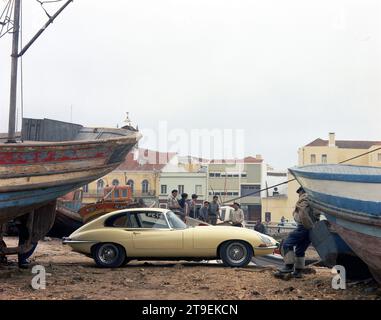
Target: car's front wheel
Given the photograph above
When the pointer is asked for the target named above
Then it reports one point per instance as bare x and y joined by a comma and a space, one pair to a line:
236, 253
109, 255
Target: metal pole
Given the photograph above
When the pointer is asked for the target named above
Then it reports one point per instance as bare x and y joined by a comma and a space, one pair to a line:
14, 55
51, 19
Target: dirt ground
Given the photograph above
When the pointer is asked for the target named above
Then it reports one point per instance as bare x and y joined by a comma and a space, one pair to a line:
73, 276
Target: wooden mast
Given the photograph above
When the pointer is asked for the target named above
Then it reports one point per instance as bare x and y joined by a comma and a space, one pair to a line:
14, 56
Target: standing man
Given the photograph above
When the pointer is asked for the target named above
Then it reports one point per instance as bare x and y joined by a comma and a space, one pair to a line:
184, 205
260, 227
173, 203
294, 247
203, 214
193, 207
237, 216
214, 211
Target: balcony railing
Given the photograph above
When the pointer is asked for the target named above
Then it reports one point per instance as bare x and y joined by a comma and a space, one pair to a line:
135, 194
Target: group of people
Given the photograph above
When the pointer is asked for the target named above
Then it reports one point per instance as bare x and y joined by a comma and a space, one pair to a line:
209, 212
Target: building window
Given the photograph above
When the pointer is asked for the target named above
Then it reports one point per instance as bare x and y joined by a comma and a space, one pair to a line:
100, 186
180, 188
211, 175
85, 188
131, 184
243, 175
313, 158
267, 216
198, 189
250, 189
163, 189
115, 182
217, 174
145, 185
323, 158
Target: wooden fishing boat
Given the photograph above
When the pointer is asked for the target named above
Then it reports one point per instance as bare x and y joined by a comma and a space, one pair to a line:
34, 173
67, 219
350, 198
52, 158
115, 198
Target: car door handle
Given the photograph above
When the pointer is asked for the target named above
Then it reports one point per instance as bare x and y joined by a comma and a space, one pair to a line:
135, 232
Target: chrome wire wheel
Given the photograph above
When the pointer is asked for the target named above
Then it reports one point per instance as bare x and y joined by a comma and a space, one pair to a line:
236, 252
108, 253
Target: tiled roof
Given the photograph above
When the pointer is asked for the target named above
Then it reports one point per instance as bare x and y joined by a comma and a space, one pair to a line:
244, 160
146, 160
345, 144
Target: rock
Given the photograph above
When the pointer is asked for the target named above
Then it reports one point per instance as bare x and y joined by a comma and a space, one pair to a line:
204, 287
288, 289
78, 278
255, 293
370, 290
309, 271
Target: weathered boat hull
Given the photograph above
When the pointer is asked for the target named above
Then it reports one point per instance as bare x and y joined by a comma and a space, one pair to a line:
66, 223
333, 250
350, 197
35, 173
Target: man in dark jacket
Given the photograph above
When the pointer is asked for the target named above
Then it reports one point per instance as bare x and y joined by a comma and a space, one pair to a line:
294, 247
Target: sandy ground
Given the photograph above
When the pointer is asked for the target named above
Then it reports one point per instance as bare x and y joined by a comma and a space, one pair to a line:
73, 276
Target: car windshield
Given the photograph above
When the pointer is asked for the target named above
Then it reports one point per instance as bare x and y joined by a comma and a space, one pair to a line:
174, 221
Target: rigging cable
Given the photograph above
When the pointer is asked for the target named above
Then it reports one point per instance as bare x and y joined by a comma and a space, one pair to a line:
44, 2
285, 182
8, 23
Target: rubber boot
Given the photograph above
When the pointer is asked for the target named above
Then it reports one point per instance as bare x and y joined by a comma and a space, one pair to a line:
289, 265
287, 268
299, 266
297, 273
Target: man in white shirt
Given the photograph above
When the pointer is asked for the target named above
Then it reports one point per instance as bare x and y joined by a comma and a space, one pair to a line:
237, 216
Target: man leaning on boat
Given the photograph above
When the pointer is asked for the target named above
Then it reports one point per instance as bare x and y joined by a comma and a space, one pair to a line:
294, 247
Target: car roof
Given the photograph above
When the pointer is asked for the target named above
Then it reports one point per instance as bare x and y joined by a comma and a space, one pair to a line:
110, 214
143, 209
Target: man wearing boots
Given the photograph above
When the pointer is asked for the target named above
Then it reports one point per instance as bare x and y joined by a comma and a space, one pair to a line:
294, 247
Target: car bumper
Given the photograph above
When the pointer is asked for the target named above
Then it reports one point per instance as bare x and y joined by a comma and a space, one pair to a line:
267, 248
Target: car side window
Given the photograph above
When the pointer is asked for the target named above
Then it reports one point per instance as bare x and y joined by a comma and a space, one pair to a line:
154, 220
124, 220
132, 221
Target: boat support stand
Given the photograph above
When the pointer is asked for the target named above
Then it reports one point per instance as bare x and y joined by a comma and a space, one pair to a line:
4, 250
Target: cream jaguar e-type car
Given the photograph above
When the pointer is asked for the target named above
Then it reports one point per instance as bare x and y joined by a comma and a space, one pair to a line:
114, 239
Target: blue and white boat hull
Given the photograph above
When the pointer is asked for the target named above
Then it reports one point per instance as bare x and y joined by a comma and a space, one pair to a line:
350, 197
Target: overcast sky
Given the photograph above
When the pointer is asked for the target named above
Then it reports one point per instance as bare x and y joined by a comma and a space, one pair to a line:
285, 72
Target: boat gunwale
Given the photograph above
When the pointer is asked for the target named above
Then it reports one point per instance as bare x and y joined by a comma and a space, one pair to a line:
53, 144
338, 176
346, 214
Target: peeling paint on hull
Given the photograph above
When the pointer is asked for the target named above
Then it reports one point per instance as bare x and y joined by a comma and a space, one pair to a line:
35, 173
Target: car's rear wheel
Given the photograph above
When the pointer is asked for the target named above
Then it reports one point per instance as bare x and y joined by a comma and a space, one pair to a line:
109, 255
236, 253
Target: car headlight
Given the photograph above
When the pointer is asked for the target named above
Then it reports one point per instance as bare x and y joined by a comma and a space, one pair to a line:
267, 240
